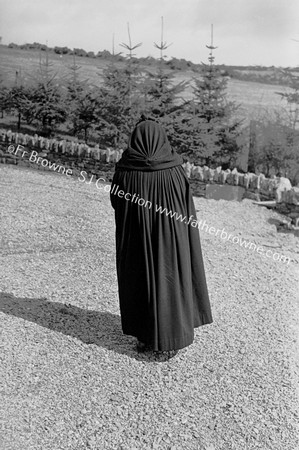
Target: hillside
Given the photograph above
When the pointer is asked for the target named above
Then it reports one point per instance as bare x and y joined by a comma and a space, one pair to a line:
255, 98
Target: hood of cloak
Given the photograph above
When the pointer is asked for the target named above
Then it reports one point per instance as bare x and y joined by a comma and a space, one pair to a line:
148, 149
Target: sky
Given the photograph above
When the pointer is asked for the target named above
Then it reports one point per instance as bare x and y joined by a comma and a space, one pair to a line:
246, 32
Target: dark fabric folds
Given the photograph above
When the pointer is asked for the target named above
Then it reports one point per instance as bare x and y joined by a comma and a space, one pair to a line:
161, 279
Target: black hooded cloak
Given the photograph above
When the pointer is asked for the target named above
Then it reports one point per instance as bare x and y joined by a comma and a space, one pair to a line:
161, 279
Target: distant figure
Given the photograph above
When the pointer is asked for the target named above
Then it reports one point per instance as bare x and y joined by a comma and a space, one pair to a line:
161, 279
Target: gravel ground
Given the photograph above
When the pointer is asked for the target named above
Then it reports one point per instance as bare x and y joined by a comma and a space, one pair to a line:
70, 379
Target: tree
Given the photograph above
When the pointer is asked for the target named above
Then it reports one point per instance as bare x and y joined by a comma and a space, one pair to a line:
131, 70
46, 106
275, 140
119, 99
118, 107
208, 127
162, 96
18, 99
82, 102
4, 95
274, 146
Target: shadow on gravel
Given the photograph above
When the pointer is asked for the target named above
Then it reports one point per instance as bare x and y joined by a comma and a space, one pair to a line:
91, 327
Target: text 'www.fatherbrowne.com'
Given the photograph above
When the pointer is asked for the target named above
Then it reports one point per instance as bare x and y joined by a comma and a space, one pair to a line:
200, 224
203, 226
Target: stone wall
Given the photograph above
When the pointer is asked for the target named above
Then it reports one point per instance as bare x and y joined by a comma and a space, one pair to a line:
256, 186
65, 157
62, 156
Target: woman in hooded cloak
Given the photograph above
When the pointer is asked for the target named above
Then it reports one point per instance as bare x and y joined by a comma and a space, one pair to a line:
162, 286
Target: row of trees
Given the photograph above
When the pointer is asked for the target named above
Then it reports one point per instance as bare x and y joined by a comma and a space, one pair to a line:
202, 128
205, 128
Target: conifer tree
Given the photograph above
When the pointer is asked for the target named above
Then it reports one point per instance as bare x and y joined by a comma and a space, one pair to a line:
162, 97
161, 93
119, 99
131, 69
82, 103
18, 99
208, 131
4, 92
46, 108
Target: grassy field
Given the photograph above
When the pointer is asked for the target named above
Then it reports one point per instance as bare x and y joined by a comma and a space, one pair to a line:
255, 99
